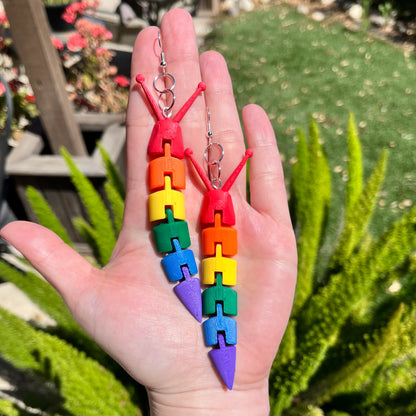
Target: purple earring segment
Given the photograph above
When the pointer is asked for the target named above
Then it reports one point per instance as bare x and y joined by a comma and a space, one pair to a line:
219, 243
224, 358
167, 204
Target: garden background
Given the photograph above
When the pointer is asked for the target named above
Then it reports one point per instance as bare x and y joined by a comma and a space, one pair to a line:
342, 103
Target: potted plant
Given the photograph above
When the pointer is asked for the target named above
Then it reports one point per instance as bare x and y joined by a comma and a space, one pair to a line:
93, 83
54, 10
18, 83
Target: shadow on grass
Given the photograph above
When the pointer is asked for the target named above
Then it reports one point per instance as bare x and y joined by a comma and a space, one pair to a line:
31, 390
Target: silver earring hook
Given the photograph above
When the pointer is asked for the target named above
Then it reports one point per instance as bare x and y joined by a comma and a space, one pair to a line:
162, 54
166, 78
209, 127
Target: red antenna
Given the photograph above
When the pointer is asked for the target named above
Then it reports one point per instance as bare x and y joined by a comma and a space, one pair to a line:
201, 172
237, 170
158, 112
154, 105
230, 180
179, 116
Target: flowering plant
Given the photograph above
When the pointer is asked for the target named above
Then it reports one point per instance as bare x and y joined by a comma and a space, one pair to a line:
93, 83
18, 83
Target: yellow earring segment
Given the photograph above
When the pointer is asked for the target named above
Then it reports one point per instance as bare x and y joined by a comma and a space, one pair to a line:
167, 198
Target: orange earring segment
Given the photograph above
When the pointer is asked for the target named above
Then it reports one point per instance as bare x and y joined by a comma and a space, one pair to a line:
166, 165
226, 236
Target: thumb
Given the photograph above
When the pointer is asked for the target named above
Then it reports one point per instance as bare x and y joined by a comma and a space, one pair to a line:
66, 270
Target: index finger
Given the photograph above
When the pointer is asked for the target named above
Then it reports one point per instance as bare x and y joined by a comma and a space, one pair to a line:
179, 46
182, 57
139, 124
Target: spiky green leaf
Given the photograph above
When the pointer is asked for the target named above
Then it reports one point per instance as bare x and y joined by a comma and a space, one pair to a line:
98, 214
117, 205
355, 167
88, 233
113, 174
367, 357
358, 217
84, 385
45, 214
312, 192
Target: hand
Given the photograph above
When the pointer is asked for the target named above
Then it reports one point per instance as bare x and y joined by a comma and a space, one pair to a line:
129, 307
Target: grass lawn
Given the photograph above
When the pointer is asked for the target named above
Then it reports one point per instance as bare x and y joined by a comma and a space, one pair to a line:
296, 68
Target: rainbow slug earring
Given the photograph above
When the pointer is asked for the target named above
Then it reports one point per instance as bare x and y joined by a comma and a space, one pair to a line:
166, 176
219, 243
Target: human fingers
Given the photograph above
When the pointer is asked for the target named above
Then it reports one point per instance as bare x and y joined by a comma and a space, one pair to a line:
178, 43
67, 271
182, 58
224, 119
267, 186
140, 120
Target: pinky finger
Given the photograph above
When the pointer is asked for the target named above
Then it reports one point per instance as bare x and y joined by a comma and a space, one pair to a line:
267, 186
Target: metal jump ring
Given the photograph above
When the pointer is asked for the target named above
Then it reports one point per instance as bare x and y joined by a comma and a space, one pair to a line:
215, 176
208, 148
216, 183
167, 75
166, 108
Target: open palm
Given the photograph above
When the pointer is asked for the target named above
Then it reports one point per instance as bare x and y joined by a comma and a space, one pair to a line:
129, 307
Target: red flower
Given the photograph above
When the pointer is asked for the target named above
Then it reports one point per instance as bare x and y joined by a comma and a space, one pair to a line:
29, 99
3, 18
71, 12
98, 31
57, 43
76, 42
2, 89
94, 30
100, 51
122, 81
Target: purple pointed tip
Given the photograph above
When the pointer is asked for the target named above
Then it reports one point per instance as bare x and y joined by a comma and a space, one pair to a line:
223, 359
189, 292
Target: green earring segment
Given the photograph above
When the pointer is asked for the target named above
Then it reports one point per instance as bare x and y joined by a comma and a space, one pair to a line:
165, 233
219, 294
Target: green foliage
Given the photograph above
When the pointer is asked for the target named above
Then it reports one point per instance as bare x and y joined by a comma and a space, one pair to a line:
101, 231
355, 167
41, 293
66, 372
113, 175
88, 388
117, 205
8, 409
45, 215
47, 299
295, 67
359, 214
351, 338
349, 345
310, 185
405, 8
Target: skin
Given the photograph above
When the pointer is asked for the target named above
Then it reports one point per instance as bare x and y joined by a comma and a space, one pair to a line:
129, 307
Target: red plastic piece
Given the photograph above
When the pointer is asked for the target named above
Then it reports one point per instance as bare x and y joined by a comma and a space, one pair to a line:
167, 130
218, 200
166, 165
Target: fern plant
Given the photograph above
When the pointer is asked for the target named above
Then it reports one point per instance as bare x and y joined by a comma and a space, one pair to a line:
352, 327
348, 348
72, 375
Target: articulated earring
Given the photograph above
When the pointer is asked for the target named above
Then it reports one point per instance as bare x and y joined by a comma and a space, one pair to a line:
219, 244
166, 177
